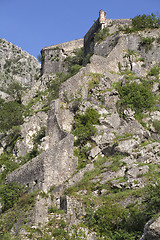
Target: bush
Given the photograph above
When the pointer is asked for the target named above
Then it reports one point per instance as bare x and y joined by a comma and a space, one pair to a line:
10, 115
74, 63
15, 89
145, 21
147, 43
152, 200
111, 221
54, 85
41, 57
101, 34
135, 96
154, 71
83, 127
141, 22
156, 125
9, 195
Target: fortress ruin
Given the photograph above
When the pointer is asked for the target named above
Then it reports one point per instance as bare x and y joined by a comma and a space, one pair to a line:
54, 56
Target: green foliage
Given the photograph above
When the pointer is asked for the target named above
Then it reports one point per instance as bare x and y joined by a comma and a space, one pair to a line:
74, 69
141, 22
84, 126
10, 115
145, 21
156, 125
60, 233
74, 63
9, 163
114, 222
95, 80
147, 43
135, 96
54, 85
39, 135
9, 195
21, 212
152, 200
41, 57
12, 136
78, 57
15, 89
101, 34
82, 154
154, 71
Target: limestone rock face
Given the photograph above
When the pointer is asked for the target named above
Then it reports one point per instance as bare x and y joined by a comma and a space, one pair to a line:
29, 129
17, 65
152, 230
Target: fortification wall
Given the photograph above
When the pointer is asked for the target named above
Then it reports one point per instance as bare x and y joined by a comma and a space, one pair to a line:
30, 174
54, 165
54, 56
101, 23
89, 38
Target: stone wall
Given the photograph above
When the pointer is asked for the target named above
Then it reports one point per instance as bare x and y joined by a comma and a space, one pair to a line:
30, 174
54, 56
52, 167
89, 38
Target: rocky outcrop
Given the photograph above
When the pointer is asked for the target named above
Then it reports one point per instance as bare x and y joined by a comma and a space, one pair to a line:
152, 230
17, 65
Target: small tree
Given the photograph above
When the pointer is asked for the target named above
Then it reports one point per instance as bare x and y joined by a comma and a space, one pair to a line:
15, 89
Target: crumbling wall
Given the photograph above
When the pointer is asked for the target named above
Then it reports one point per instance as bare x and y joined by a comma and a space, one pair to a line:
52, 167
30, 174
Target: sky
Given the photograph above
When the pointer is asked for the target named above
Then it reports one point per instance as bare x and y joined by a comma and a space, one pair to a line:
34, 24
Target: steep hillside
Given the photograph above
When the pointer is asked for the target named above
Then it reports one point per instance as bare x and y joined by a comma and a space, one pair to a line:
16, 65
80, 153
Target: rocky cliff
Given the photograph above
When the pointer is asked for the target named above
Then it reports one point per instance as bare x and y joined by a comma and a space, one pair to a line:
82, 162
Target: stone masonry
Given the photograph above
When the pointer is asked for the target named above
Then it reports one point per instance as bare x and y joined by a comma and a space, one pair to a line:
54, 56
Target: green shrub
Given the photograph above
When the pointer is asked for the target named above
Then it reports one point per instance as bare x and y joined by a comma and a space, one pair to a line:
156, 125
10, 194
11, 138
39, 135
101, 34
145, 21
54, 85
15, 89
154, 71
82, 154
135, 96
110, 221
141, 22
147, 43
74, 63
10, 165
152, 200
41, 57
10, 115
83, 127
